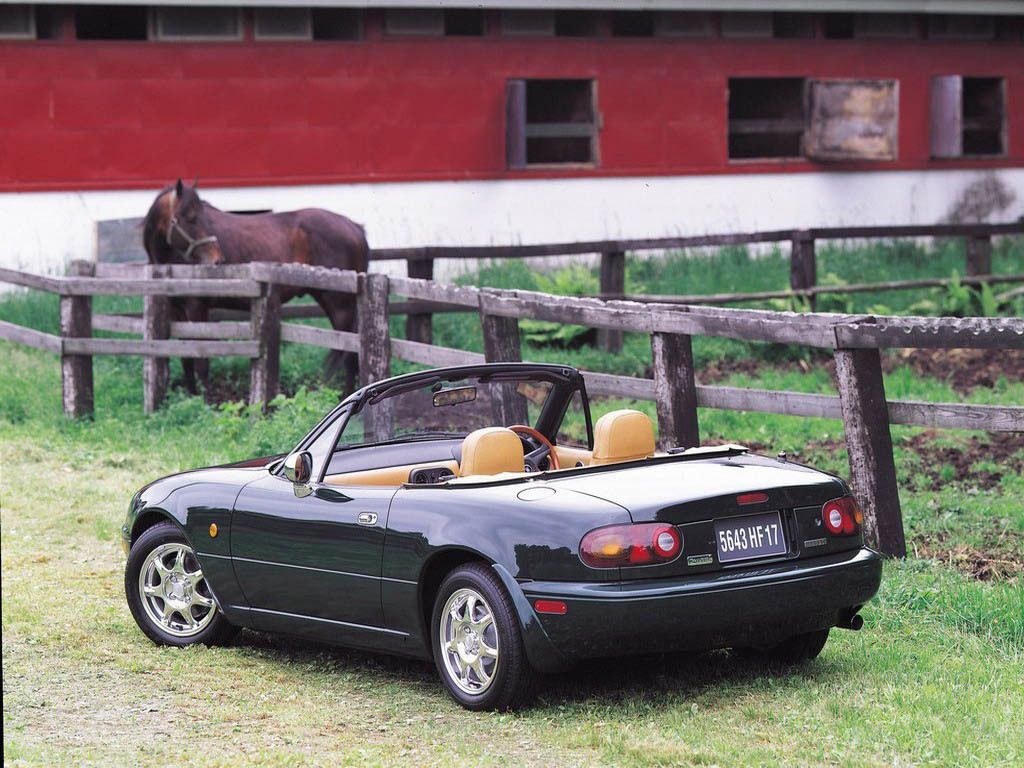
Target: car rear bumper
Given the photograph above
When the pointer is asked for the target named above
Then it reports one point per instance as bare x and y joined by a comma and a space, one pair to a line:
753, 606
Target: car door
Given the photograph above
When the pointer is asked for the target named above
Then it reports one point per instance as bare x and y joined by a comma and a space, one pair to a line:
311, 554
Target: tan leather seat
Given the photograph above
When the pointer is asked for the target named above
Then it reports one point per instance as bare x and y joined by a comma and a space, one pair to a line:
490, 451
622, 436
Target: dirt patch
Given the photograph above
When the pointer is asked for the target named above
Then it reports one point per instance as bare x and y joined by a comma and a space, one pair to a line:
944, 464
720, 370
1000, 557
963, 369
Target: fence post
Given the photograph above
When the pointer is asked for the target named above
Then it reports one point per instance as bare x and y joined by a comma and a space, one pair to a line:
265, 370
803, 267
613, 281
979, 254
156, 326
869, 445
76, 370
374, 334
675, 390
420, 326
501, 345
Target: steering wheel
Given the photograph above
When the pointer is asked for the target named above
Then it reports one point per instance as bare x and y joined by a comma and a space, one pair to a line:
536, 456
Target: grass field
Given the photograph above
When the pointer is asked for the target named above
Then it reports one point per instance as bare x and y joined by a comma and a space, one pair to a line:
935, 678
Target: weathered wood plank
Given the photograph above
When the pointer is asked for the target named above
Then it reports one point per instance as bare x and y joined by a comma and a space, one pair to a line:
168, 348
344, 341
933, 332
869, 445
29, 280
104, 286
803, 264
978, 250
990, 418
118, 323
76, 366
30, 337
306, 276
156, 325
419, 326
203, 330
189, 271
613, 280
265, 368
502, 345
427, 354
675, 391
428, 290
374, 336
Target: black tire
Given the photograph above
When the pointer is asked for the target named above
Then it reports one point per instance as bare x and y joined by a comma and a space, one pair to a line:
799, 648
218, 631
513, 679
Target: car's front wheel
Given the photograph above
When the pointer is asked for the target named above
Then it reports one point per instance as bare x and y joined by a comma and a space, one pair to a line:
167, 592
478, 647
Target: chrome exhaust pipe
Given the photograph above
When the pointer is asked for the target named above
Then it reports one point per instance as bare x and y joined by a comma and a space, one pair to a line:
854, 622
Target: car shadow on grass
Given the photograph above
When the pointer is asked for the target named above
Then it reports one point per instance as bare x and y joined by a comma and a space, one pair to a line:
654, 681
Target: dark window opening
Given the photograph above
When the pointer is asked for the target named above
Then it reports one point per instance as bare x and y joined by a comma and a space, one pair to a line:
197, 23
633, 24
551, 122
17, 22
684, 24
49, 22
577, 24
337, 24
414, 21
837, 26
741, 24
766, 117
463, 22
528, 23
282, 24
793, 25
959, 27
885, 26
983, 115
111, 22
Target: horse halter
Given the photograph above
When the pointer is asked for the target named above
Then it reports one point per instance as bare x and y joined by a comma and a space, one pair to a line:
193, 242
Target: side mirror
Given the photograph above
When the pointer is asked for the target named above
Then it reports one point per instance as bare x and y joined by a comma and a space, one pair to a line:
298, 467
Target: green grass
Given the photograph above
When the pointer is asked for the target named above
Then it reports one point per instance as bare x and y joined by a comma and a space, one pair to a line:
935, 678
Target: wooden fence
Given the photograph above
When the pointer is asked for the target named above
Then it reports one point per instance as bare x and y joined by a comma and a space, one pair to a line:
803, 269
855, 341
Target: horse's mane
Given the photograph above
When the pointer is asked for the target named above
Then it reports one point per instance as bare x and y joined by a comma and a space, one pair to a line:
152, 238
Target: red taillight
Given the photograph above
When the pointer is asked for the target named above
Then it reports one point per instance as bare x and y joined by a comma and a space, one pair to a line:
842, 517
624, 545
551, 606
752, 498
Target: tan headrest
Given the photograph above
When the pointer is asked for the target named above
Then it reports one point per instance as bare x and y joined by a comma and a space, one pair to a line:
491, 450
622, 436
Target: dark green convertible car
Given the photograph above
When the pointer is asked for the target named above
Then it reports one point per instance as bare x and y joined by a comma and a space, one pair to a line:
477, 516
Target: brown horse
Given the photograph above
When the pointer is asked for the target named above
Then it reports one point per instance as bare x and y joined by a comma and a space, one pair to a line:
180, 228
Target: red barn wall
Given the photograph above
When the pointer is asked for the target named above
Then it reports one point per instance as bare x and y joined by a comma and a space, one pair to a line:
118, 115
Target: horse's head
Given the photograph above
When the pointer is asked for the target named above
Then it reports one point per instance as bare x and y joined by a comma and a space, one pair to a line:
186, 231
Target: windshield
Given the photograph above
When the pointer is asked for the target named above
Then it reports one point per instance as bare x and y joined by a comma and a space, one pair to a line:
438, 408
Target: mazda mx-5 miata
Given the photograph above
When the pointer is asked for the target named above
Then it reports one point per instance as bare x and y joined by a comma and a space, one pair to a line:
476, 516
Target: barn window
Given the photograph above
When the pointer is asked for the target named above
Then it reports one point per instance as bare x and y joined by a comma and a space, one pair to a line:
111, 22
17, 22
793, 26
577, 24
337, 24
852, 120
197, 23
961, 27
766, 117
551, 122
463, 22
968, 116
837, 26
683, 24
283, 24
884, 26
528, 23
746, 25
414, 21
633, 24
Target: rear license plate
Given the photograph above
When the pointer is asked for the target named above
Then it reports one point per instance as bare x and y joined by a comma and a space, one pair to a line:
744, 538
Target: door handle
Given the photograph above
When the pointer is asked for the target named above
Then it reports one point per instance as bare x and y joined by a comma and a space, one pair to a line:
367, 518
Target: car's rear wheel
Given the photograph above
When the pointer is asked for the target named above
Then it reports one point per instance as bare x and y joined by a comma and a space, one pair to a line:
478, 647
167, 591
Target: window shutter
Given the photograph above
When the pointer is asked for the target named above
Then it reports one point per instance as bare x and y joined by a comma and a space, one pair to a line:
515, 123
852, 120
947, 116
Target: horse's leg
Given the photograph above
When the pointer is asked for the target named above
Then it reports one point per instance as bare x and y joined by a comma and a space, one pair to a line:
341, 312
180, 313
199, 312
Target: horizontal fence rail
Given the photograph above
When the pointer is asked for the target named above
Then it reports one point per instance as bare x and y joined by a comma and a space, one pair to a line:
257, 331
